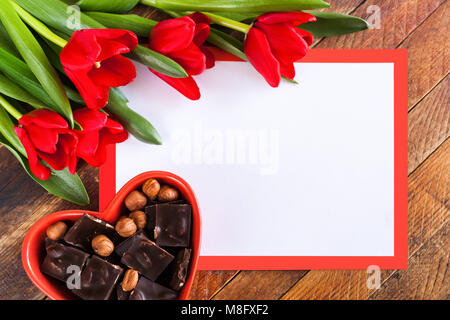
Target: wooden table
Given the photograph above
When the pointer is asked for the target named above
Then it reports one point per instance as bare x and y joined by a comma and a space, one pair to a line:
418, 25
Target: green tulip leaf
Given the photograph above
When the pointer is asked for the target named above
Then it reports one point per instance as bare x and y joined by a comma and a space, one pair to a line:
236, 5
227, 43
115, 6
137, 24
12, 90
61, 183
332, 24
134, 123
7, 130
157, 62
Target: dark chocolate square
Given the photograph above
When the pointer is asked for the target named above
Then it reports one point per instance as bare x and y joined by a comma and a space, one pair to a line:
87, 228
147, 258
150, 211
120, 294
180, 268
59, 258
123, 247
98, 279
173, 225
149, 290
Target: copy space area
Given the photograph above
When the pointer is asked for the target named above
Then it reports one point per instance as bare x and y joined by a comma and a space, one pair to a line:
302, 170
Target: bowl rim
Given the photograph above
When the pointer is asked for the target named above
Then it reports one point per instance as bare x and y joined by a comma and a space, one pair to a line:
30, 247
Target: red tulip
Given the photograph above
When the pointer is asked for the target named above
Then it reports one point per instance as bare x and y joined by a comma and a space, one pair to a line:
182, 40
92, 60
98, 132
46, 136
274, 43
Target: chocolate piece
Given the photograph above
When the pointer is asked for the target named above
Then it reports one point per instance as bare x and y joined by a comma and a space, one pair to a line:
173, 225
149, 290
59, 258
85, 229
147, 258
150, 211
49, 242
98, 279
122, 295
180, 269
126, 244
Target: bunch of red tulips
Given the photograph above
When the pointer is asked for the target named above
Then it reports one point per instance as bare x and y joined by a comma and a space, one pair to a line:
59, 96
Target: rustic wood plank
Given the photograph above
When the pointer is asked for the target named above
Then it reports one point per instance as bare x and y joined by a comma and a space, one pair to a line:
429, 124
426, 277
259, 285
7, 168
22, 203
398, 18
207, 283
428, 213
429, 53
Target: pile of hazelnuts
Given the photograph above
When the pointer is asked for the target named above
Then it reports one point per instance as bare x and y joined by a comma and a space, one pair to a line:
135, 201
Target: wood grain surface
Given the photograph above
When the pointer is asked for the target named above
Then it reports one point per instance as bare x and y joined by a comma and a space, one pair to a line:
421, 26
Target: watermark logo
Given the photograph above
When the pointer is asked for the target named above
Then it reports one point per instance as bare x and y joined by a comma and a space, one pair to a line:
74, 20
232, 147
73, 282
374, 280
374, 19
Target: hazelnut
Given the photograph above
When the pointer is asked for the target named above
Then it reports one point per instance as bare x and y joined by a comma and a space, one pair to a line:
102, 245
136, 200
57, 230
151, 188
130, 280
167, 194
139, 218
126, 227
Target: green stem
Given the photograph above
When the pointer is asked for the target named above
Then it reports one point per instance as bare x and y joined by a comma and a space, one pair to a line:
38, 26
229, 23
8, 107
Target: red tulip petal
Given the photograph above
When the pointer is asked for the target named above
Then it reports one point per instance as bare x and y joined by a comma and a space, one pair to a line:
192, 59
111, 48
307, 36
63, 157
36, 167
81, 52
199, 17
295, 18
286, 44
88, 143
288, 70
201, 33
114, 72
95, 96
90, 119
106, 137
43, 139
210, 58
258, 51
114, 127
172, 35
68, 142
126, 37
186, 86
44, 118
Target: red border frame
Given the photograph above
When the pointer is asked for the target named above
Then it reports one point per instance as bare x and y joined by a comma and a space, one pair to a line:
400, 258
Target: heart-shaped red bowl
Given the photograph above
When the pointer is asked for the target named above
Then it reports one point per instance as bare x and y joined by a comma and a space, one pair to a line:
33, 247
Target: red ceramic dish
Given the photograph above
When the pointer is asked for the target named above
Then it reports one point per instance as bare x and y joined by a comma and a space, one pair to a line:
33, 245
